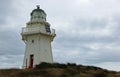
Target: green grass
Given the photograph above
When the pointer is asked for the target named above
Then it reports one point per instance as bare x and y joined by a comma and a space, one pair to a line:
59, 70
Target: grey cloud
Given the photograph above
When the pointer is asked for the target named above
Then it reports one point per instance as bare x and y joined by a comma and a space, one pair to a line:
72, 43
68, 42
11, 49
7, 12
11, 61
10, 42
104, 56
90, 23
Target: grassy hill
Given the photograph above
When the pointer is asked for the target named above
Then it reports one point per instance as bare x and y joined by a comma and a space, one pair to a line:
59, 70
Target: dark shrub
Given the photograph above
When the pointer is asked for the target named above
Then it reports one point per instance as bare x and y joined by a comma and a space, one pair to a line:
49, 65
71, 64
43, 65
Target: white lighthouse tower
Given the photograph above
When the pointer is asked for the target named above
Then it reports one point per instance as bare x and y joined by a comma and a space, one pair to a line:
37, 36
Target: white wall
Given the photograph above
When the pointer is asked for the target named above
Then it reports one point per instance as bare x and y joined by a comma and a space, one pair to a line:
41, 48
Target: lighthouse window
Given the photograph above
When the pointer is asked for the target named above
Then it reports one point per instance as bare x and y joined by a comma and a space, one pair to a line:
47, 28
32, 41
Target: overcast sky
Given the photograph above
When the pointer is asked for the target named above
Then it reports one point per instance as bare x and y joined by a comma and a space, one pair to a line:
87, 31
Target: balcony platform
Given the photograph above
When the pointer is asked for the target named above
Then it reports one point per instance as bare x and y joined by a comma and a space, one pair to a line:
36, 30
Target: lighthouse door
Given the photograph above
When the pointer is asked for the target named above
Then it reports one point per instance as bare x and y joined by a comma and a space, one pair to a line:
31, 61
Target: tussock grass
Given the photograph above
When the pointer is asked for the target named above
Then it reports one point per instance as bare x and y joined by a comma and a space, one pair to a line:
59, 70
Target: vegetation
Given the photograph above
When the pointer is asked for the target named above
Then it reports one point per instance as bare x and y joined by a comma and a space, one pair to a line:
59, 70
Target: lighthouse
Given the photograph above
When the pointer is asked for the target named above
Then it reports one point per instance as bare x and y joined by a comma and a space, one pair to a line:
37, 35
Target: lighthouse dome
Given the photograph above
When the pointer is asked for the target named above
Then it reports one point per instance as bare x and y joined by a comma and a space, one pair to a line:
38, 15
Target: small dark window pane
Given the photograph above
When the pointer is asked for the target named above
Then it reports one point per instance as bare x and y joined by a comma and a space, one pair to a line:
32, 41
47, 28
